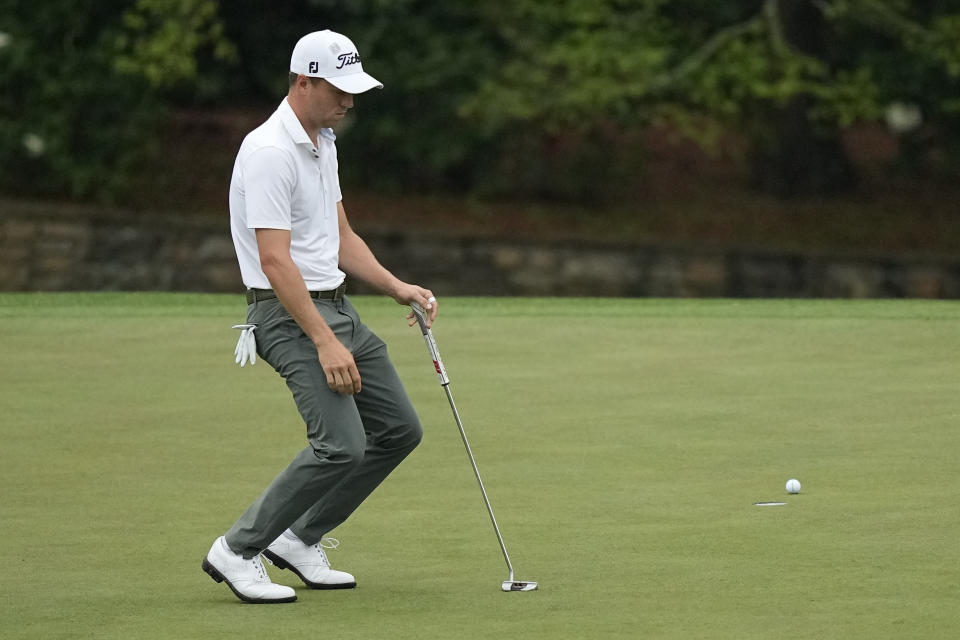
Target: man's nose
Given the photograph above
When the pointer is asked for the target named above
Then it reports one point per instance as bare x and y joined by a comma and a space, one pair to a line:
348, 101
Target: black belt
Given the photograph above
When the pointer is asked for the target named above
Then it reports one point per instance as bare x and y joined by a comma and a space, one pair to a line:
256, 295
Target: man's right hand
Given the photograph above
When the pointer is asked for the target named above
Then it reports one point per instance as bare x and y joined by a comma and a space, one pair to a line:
339, 366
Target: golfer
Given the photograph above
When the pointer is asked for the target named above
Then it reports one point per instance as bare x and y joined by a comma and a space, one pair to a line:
295, 248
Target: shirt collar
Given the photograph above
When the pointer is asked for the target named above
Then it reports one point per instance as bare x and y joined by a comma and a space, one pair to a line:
292, 124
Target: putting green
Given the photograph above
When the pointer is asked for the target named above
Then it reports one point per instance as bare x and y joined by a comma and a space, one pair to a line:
622, 442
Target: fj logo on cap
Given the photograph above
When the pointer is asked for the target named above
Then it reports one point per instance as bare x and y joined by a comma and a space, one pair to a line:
348, 58
314, 66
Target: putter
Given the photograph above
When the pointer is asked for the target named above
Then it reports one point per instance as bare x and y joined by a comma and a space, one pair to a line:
418, 312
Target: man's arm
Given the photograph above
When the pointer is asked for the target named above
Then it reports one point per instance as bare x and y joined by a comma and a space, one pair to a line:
287, 283
357, 260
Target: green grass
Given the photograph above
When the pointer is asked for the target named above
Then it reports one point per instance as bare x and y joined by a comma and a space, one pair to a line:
623, 444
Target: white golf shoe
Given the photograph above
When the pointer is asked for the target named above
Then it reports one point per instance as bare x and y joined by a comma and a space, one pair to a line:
246, 578
309, 562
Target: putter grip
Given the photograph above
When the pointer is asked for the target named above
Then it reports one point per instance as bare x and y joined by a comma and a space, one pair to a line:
431, 343
421, 317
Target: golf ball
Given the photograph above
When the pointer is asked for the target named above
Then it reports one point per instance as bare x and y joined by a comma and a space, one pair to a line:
793, 485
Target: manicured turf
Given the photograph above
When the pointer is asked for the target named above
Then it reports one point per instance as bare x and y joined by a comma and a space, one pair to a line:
623, 444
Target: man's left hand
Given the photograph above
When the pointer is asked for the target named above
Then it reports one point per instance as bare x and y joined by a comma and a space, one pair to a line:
411, 293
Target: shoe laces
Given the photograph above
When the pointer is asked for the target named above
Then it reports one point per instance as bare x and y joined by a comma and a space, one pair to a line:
257, 565
326, 543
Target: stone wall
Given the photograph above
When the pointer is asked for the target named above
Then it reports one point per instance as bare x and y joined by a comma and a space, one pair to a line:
47, 249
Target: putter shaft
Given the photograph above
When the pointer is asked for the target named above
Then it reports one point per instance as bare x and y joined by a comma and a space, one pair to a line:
418, 312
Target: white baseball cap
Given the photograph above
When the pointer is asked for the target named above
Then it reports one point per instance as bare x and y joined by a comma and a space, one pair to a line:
332, 56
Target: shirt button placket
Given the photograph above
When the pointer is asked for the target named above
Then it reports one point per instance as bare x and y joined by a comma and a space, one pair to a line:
323, 188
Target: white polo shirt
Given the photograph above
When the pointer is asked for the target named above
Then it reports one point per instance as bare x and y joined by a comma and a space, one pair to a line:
284, 180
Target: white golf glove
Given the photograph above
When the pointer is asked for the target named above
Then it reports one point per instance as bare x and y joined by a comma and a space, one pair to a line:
246, 346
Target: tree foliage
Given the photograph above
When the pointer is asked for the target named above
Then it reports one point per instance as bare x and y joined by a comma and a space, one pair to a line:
784, 72
529, 97
82, 86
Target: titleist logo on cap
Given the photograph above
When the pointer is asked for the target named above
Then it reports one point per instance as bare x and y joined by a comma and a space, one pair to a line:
348, 58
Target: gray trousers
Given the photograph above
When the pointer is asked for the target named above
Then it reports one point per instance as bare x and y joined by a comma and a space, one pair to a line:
354, 442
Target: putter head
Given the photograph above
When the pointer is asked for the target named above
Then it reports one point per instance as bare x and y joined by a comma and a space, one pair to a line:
518, 585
